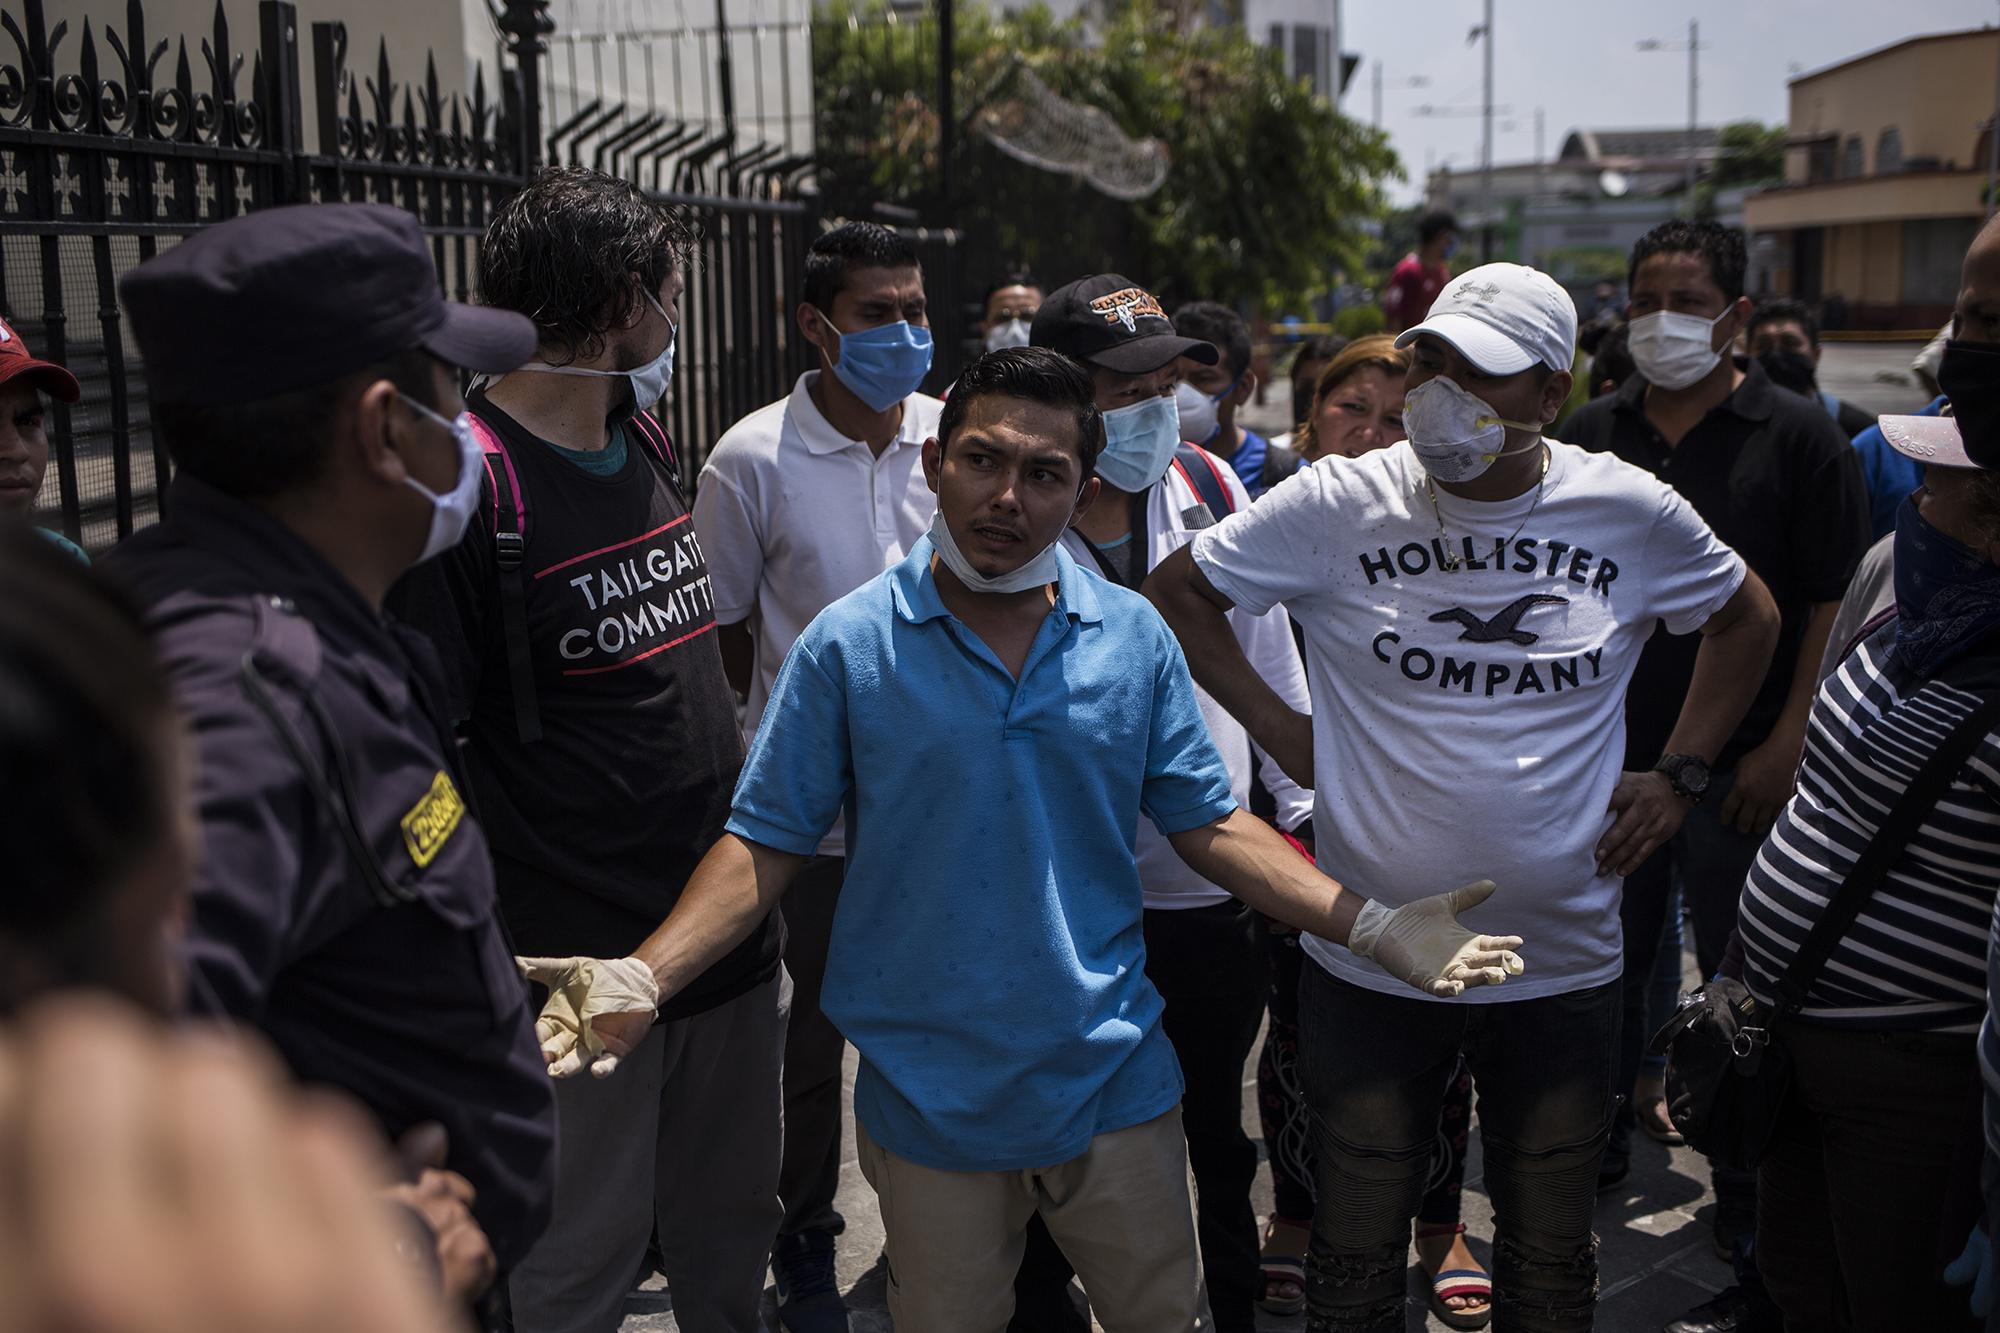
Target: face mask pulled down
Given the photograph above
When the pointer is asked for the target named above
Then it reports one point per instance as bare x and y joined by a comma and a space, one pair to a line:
1673, 350
1457, 435
1037, 572
451, 512
649, 382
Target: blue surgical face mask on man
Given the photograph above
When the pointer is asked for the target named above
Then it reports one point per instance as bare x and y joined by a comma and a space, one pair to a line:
1139, 443
885, 364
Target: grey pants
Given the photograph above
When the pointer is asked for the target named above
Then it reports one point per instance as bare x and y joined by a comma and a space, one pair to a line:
810, 1176
686, 1133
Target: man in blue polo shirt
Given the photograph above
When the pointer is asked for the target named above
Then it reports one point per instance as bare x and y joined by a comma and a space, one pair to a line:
993, 719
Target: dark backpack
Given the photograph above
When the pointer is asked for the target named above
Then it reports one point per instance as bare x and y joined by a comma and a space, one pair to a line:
510, 550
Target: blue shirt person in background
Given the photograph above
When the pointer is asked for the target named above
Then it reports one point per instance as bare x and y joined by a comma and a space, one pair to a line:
993, 720
1891, 477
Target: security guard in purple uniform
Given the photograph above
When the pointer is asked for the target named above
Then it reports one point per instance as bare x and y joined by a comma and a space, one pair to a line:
303, 370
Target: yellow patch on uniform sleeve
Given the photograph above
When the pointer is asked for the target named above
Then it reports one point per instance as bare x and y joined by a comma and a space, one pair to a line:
432, 820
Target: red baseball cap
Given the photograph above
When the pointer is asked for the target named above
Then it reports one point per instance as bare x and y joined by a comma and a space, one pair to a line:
16, 361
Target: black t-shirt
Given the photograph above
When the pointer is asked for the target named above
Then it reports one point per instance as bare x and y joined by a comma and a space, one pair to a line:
597, 826
1776, 479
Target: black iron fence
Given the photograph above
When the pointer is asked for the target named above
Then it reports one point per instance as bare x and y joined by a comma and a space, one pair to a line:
116, 143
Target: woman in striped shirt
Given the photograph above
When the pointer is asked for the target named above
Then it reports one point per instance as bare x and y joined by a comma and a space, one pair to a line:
1875, 1158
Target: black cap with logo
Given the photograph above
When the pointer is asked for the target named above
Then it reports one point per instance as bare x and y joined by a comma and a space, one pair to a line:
1110, 321
289, 297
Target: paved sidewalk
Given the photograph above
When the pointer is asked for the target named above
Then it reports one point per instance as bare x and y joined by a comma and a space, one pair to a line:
1656, 1257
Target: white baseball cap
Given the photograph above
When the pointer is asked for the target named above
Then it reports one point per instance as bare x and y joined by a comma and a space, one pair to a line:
1503, 318
1930, 440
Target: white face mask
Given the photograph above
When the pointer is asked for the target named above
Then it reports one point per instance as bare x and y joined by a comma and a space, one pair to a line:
1036, 573
649, 382
1139, 443
1014, 333
1457, 435
452, 511
1673, 350
1197, 409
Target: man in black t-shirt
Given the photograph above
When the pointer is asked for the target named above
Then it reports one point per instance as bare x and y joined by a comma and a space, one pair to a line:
1776, 479
577, 631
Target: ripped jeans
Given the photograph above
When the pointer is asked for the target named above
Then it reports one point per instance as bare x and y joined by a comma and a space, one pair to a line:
1375, 1069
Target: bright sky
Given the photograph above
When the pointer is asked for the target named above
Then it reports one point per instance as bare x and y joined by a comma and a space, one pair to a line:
1576, 60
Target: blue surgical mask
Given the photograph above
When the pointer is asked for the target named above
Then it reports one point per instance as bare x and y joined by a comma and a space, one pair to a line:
883, 365
1139, 443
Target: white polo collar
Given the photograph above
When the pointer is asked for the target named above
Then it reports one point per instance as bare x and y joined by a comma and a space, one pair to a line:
819, 435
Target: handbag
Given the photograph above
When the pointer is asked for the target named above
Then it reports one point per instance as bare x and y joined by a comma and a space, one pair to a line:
1727, 1070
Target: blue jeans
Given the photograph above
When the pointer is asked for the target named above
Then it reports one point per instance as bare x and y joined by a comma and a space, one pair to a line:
1376, 1067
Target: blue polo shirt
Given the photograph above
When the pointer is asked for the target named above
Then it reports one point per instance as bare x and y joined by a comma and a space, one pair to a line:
987, 958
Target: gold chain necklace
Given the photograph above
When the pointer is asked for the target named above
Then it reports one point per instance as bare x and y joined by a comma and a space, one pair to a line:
1451, 562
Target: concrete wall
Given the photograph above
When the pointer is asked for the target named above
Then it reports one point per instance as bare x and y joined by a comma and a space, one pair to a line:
1927, 195
1934, 92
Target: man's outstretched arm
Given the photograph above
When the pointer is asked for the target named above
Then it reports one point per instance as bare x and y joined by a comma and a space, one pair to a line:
599, 1009
1421, 943
1199, 617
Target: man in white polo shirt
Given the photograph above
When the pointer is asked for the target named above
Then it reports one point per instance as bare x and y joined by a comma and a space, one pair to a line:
802, 502
1473, 602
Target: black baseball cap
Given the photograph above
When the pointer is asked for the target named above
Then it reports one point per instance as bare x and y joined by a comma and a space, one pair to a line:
1111, 321
285, 298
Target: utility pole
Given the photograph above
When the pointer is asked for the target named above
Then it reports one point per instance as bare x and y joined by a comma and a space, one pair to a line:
1694, 98
1694, 103
1378, 109
724, 72
1486, 152
1339, 62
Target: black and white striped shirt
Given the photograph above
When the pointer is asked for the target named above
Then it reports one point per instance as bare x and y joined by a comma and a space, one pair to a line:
1916, 957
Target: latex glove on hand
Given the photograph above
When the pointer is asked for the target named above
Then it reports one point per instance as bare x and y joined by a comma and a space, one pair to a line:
582, 990
1423, 944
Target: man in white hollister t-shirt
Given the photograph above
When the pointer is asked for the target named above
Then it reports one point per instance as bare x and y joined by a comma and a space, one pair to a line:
1473, 602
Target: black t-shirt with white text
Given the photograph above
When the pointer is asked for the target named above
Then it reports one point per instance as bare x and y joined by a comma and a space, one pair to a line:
1775, 478
597, 826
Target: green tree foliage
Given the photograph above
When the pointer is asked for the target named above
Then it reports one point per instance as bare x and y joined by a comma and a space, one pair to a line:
1751, 154
1267, 189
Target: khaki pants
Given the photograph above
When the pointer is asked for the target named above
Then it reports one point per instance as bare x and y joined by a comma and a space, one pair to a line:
1121, 1213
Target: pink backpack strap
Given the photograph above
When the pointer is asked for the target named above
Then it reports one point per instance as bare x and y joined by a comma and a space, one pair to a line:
491, 446
656, 438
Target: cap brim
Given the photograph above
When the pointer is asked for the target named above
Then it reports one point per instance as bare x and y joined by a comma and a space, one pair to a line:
1483, 345
1933, 441
45, 375
1140, 355
481, 338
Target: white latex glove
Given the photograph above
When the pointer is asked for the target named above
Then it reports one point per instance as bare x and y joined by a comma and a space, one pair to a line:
1423, 944
581, 989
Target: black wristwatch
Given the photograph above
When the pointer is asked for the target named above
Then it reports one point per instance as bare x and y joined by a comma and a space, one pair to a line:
1688, 773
